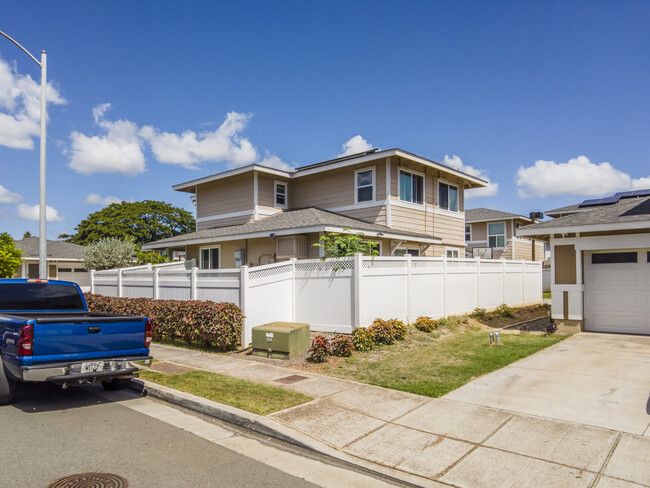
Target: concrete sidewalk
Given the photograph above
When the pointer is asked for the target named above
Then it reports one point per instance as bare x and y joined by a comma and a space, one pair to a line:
436, 442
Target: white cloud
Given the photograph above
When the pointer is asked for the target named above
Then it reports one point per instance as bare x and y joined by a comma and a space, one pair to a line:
119, 150
7, 196
355, 145
224, 144
273, 161
20, 107
31, 212
95, 199
577, 177
490, 190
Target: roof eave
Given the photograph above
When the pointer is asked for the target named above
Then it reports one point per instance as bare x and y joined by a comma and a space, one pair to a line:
531, 231
297, 230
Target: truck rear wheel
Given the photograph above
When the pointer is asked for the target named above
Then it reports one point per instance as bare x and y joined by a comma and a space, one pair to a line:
7, 386
116, 384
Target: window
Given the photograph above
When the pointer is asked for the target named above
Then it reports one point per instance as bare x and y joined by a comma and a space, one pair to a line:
447, 197
497, 235
411, 187
468, 232
210, 257
613, 257
364, 181
280, 198
452, 253
65, 270
404, 252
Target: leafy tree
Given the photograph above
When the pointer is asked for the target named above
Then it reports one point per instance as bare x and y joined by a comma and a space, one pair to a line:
143, 257
144, 221
109, 253
9, 256
27, 234
337, 245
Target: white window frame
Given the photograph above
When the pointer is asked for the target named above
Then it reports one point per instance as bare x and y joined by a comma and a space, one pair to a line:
374, 186
505, 240
276, 183
452, 250
406, 249
470, 233
399, 187
448, 183
203, 248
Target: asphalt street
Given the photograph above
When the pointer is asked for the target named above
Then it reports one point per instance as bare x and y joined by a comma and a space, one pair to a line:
49, 433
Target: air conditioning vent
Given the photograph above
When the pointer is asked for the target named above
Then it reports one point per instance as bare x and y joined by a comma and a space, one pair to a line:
292, 247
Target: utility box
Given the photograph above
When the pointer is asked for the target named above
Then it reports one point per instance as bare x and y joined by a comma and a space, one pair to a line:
280, 340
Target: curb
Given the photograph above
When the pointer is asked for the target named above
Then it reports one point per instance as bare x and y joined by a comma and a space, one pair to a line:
269, 428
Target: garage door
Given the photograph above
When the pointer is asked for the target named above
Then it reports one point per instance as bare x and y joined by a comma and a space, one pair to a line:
617, 291
77, 275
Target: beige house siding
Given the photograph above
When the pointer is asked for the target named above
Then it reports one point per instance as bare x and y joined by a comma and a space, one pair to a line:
565, 265
336, 188
450, 229
225, 196
411, 220
524, 250
213, 223
376, 215
266, 190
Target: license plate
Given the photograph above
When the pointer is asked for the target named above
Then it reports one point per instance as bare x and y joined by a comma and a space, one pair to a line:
93, 367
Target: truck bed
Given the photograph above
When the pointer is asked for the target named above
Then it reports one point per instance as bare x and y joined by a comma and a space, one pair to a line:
71, 317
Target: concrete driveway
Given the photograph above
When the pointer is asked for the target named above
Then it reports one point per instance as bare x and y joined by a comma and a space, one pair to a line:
594, 379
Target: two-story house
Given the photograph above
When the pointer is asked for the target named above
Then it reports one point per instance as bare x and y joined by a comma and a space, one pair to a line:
255, 215
493, 234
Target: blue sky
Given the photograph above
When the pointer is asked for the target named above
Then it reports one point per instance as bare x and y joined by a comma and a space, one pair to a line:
549, 100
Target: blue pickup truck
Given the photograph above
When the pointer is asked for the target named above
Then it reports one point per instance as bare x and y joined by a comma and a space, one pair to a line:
48, 334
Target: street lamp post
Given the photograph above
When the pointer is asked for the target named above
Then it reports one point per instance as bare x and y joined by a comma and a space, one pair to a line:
42, 217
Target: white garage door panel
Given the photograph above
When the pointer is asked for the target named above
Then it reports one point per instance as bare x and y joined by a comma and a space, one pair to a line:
617, 296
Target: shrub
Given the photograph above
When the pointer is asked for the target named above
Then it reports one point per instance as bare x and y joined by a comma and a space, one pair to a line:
342, 345
399, 329
362, 339
505, 311
382, 332
204, 322
478, 313
426, 324
320, 349
551, 328
109, 253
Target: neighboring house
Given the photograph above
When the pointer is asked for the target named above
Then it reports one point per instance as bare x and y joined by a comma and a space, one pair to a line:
600, 263
255, 215
64, 261
492, 233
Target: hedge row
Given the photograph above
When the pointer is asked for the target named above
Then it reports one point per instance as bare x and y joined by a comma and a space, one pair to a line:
200, 322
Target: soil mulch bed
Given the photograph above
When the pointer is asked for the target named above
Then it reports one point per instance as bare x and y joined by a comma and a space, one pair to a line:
486, 323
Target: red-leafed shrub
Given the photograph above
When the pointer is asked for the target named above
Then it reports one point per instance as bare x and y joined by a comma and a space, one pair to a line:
195, 321
342, 345
387, 331
320, 349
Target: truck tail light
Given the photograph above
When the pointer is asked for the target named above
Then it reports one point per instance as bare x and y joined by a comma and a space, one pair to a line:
148, 335
26, 340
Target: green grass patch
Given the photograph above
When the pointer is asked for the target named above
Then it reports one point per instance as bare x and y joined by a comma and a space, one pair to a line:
247, 395
546, 294
433, 367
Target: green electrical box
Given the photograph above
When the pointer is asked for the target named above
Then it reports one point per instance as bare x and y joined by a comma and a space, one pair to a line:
280, 340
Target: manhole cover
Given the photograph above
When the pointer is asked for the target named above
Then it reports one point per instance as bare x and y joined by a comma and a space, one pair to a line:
90, 480
294, 378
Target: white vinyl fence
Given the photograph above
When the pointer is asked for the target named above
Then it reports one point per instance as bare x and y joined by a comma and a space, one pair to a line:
341, 294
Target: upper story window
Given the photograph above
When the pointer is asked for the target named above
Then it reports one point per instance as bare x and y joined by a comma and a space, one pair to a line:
497, 235
447, 196
280, 195
468, 232
364, 185
411, 187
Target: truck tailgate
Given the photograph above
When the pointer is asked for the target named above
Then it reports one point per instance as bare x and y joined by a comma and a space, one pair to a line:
79, 336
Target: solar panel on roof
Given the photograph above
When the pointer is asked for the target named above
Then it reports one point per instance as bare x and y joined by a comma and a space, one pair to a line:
624, 194
599, 201
641, 193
